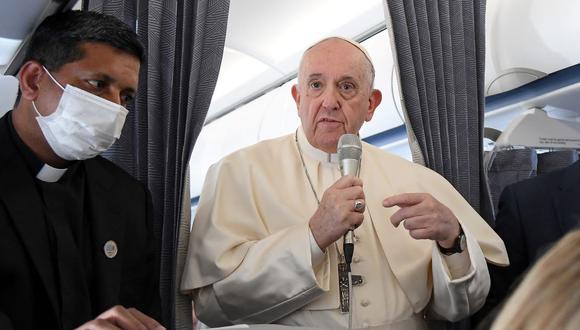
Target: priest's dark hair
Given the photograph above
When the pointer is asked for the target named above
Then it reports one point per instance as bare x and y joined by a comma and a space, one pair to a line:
58, 39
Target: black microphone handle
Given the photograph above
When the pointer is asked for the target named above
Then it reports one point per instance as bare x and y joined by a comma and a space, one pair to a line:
348, 248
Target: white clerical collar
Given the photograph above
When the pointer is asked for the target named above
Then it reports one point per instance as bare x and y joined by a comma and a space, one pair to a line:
312, 152
50, 174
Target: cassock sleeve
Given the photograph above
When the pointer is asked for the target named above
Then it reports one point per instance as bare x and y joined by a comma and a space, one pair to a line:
275, 278
239, 270
456, 298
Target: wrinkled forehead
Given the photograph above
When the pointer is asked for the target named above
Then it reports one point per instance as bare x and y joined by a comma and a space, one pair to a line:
336, 54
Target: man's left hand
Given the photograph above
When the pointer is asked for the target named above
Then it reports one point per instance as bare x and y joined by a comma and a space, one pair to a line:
121, 318
424, 217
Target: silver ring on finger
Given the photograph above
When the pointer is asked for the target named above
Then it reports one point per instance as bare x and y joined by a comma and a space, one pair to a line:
359, 205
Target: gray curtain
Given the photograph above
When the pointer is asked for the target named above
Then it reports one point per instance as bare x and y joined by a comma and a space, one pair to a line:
439, 48
184, 43
440, 53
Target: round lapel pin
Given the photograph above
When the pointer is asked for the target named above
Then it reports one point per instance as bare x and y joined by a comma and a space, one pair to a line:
110, 249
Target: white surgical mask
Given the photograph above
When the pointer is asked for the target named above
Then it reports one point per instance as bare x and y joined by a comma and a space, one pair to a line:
83, 124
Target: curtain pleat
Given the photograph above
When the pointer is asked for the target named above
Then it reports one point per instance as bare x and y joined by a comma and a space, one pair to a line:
439, 49
440, 53
184, 43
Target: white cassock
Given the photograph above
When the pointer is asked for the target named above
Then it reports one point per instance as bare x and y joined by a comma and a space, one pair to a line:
251, 257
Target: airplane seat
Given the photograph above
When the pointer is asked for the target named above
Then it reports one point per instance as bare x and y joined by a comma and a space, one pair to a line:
556, 160
506, 167
558, 92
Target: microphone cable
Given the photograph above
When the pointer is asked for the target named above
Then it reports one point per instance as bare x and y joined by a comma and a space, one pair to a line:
348, 250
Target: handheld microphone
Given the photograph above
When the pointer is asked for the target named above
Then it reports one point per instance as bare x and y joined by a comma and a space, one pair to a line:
349, 154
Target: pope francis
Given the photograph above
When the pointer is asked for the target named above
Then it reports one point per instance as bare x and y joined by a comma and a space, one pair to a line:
267, 240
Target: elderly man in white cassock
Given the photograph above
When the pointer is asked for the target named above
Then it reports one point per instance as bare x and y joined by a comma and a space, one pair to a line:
267, 240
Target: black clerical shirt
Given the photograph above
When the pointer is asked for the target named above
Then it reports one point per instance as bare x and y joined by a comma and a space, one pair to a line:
68, 231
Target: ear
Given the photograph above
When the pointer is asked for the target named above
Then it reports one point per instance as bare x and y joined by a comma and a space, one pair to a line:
29, 78
296, 96
374, 101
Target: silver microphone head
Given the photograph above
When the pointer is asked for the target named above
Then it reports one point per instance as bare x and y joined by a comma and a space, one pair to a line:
349, 154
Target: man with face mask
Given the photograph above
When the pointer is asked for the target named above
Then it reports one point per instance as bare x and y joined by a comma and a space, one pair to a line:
75, 230
267, 241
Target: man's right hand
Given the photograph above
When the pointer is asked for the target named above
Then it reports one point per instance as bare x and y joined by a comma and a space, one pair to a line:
336, 214
119, 317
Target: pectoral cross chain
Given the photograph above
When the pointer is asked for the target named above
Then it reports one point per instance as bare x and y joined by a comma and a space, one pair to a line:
343, 286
